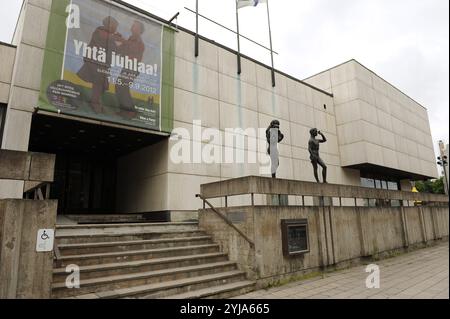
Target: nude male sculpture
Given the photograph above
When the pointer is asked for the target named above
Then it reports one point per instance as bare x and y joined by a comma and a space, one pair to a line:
313, 147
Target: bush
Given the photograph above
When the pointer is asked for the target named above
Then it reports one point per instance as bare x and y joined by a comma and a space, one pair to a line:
431, 186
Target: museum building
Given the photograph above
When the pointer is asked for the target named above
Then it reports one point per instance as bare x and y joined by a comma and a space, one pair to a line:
106, 88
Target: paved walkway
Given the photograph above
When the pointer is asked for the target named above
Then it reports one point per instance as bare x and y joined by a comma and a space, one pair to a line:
422, 274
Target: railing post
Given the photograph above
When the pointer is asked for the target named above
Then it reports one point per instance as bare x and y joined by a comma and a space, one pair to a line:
47, 191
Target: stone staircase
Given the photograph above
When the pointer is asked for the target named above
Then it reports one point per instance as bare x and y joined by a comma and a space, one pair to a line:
154, 260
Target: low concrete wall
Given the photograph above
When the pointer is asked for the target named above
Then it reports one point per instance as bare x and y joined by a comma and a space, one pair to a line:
25, 273
230, 241
337, 235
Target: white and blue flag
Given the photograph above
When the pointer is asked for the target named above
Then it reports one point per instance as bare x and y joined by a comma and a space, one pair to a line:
248, 3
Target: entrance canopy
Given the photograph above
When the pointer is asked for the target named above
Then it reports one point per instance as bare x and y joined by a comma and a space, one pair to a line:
55, 134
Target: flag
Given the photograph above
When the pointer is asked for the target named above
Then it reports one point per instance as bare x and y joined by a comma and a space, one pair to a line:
247, 3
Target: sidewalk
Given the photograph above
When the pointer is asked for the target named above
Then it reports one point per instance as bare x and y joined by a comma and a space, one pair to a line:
422, 274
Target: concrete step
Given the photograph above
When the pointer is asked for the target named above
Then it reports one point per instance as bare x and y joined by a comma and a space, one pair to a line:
87, 229
110, 218
104, 247
123, 268
96, 237
98, 285
165, 289
185, 285
132, 255
218, 292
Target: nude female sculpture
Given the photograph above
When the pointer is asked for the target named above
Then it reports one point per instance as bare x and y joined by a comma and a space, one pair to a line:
274, 136
313, 147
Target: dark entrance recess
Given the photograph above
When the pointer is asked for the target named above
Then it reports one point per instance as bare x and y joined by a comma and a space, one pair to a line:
86, 160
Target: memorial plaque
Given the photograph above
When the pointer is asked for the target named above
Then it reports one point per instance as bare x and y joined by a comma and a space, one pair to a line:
295, 237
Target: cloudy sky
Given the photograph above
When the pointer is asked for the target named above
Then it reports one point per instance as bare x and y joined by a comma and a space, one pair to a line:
404, 41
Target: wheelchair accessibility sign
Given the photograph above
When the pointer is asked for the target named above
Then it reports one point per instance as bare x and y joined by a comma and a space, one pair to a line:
45, 240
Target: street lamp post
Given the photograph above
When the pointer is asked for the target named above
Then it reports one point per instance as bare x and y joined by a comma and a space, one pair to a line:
443, 162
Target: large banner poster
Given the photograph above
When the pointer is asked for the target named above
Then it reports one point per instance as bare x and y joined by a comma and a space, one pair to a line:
106, 63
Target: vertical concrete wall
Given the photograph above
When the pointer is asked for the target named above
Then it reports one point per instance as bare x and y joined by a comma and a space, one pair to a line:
376, 122
142, 180
209, 89
337, 235
7, 55
269, 250
25, 273
230, 241
30, 39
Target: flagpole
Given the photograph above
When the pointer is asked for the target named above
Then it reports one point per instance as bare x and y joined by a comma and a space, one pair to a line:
271, 48
196, 28
239, 70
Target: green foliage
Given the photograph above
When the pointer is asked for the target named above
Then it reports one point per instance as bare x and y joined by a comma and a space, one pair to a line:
431, 186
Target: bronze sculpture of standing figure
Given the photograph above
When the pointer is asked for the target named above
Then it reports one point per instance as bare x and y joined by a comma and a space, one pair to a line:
274, 136
313, 147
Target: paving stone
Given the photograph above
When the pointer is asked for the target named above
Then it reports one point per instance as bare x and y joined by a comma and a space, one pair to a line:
421, 274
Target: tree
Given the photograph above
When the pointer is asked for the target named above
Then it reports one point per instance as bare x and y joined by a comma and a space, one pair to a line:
431, 186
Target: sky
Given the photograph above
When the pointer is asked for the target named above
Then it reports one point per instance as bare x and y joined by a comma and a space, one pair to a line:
404, 41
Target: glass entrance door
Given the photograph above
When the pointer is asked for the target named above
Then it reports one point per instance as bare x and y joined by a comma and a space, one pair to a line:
84, 185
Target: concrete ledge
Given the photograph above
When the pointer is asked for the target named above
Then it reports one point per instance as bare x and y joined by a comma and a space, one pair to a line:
26, 166
268, 186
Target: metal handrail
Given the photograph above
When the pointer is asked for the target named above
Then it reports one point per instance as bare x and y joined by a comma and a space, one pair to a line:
226, 220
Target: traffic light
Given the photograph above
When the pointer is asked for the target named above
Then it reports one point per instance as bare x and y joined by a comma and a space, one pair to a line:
442, 161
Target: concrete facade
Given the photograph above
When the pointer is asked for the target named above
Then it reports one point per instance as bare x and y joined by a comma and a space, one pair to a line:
208, 89
7, 55
220, 99
377, 123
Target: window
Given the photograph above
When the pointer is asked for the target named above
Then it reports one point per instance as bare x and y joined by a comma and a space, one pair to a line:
393, 186
2, 121
380, 183
367, 182
295, 237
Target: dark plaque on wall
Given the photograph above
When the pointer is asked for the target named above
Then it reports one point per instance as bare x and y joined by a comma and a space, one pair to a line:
295, 237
